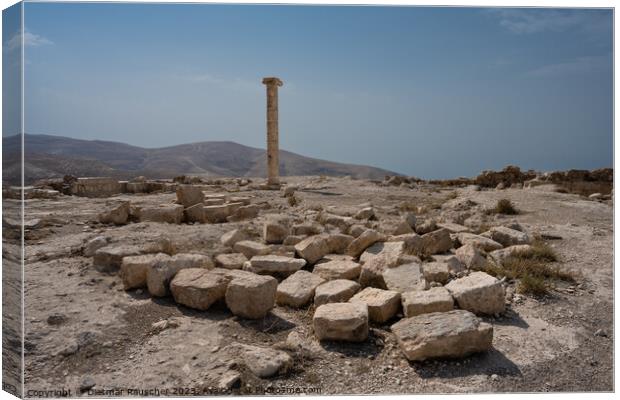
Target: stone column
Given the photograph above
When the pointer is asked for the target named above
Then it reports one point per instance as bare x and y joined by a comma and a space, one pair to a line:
273, 163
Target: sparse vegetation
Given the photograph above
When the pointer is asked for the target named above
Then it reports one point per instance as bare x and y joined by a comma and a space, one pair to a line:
292, 200
533, 269
504, 206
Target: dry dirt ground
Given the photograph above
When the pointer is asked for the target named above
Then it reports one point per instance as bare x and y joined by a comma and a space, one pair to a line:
561, 342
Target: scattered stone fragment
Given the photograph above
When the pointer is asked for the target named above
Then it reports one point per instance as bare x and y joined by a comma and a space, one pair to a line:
313, 248
273, 264
426, 226
379, 257
508, 237
499, 256
338, 290
403, 228
117, 215
158, 277
195, 213
93, 245
110, 258
435, 242
56, 319
451, 334
250, 248
250, 295
405, 278
244, 212
337, 243
230, 261
337, 269
307, 229
479, 293
382, 304
236, 235
171, 214
274, 232
198, 288
436, 299
134, 269
365, 214
363, 241
356, 230
453, 228
471, 256
87, 384
480, 242
341, 321
436, 272
292, 240
298, 289
454, 264
265, 362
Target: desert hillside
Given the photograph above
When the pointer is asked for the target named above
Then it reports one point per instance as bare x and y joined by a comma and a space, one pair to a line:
50, 156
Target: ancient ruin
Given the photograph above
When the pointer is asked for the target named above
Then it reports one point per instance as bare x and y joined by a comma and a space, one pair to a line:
273, 157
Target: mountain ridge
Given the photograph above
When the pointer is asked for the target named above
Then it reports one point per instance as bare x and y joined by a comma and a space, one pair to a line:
51, 156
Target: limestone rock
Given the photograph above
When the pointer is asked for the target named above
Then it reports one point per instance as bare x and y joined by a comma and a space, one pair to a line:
292, 240
436, 299
508, 237
356, 230
453, 228
435, 242
480, 242
273, 264
298, 289
499, 256
454, 264
365, 213
307, 229
363, 241
452, 334
436, 272
244, 212
198, 288
250, 295
274, 232
195, 213
426, 226
337, 269
378, 258
338, 290
171, 214
341, 321
189, 195
471, 256
403, 228
250, 248
216, 213
134, 269
338, 243
313, 248
117, 215
158, 277
382, 304
93, 245
110, 258
405, 278
479, 293
231, 237
265, 362
230, 260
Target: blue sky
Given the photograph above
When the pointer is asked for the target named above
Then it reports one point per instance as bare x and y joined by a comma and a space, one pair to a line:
431, 92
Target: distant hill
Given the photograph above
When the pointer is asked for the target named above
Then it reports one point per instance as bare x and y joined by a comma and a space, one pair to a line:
50, 156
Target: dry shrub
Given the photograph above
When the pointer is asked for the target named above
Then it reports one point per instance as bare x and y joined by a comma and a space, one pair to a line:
534, 269
292, 200
505, 206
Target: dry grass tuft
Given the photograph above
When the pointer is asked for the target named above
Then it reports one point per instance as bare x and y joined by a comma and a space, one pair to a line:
534, 269
505, 206
292, 200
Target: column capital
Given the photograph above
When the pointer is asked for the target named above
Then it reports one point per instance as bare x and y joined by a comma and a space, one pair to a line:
272, 80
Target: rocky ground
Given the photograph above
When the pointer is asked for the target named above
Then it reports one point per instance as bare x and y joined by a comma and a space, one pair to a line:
83, 330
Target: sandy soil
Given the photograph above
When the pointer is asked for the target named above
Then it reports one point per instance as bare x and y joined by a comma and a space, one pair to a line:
540, 344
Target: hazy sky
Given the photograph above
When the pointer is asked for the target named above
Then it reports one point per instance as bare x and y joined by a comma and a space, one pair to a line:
431, 92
